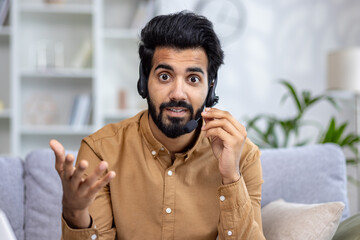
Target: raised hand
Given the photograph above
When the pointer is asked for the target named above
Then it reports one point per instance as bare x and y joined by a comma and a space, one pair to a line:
227, 140
78, 192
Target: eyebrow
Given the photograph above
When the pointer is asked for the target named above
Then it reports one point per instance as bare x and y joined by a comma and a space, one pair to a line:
190, 69
165, 66
195, 69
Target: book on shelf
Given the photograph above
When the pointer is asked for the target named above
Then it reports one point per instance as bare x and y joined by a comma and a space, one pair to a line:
80, 111
4, 11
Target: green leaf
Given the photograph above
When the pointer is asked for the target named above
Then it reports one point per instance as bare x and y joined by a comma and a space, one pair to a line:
351, 161
339, 132
329, 135
293, 94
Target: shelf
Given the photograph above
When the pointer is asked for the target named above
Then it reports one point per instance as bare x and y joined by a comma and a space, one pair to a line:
56, 8
58, 73
5, 113
124, 33
56, 130
5, 31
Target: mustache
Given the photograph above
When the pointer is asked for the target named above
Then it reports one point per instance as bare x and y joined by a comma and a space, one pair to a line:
177, 104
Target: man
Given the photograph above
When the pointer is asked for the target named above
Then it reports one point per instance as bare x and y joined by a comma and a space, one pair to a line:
166, 174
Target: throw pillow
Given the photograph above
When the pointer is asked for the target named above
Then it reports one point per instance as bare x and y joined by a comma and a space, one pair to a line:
293, 221
349, 229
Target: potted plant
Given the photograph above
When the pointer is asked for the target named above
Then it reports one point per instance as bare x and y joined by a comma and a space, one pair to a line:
268, 131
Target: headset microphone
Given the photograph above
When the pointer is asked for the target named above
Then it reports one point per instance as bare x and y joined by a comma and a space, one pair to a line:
191, 125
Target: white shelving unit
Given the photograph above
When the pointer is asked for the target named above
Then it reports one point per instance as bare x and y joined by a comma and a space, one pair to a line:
42, 70
49, 40
5, 87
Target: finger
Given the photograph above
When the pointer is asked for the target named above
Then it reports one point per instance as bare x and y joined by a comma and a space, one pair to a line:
69, 166
214, 113
89, 181
101, 183
224, 124
59, 152
214, 133
78, 174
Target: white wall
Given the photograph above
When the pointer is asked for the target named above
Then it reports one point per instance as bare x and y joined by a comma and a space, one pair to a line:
282, 39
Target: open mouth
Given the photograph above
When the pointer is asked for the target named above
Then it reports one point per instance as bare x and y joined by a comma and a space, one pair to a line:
176, 111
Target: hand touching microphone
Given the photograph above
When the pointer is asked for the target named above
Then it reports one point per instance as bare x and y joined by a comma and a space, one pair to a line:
227, 137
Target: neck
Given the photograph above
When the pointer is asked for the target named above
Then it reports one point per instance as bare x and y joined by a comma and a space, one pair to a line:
174, 145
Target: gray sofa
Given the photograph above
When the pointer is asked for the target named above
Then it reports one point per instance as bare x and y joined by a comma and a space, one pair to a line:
30, 190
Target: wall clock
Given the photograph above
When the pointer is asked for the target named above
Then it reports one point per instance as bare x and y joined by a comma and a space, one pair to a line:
228, 17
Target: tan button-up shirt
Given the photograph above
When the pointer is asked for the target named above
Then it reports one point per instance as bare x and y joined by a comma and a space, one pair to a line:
153, 198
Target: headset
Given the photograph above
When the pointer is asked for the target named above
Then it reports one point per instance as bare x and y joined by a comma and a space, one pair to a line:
211, 98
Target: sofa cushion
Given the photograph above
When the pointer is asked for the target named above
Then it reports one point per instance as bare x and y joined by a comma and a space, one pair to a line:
43, 192
12, 193
309, 174
283, 220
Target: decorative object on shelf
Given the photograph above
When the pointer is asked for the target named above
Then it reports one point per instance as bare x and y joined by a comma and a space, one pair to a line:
82, 58
4, 11
228, 16
80, 111
49, 54
343, 80
122, 99
59, 61
40, 109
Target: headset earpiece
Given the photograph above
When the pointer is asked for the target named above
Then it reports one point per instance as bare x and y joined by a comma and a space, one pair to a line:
211, 98
142, 82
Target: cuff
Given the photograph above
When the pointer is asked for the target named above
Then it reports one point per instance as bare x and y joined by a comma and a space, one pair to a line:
69, 233
233, 195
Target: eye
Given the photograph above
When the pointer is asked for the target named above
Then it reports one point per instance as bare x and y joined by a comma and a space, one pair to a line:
194, 79
164, 77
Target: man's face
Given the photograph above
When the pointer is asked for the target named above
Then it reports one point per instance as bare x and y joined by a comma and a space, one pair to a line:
178, 86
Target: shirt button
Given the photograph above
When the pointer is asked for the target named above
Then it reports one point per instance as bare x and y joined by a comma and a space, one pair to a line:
222, 198
153, 153
93, 237
170, 173
162, 148
168, 210
229, 233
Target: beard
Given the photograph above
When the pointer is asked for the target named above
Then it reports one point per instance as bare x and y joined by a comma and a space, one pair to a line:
175, 127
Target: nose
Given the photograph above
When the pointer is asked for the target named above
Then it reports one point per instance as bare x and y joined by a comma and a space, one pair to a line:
178, 90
